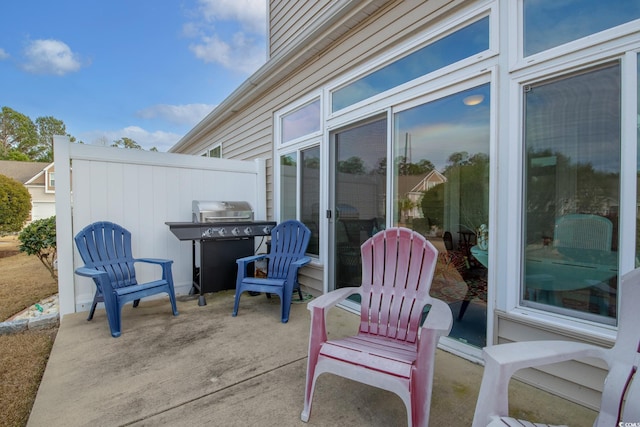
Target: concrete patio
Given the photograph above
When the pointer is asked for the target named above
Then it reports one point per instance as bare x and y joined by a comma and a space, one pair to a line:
206, 367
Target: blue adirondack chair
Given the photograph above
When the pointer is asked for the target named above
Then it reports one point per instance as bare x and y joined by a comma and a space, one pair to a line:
105, 248
289, 242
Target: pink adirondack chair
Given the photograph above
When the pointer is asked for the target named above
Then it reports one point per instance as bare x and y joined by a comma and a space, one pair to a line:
391, 351
621, 392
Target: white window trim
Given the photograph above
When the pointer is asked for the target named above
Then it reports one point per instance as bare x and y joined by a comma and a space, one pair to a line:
290, 108
579, 48
404, 49
510, 301
210, 148
298, 145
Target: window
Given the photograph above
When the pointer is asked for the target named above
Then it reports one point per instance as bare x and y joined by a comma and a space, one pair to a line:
572, 193
472, 39
550, 23
300, 122
441, 189
300, 190
214, 152
52, 179
298, 129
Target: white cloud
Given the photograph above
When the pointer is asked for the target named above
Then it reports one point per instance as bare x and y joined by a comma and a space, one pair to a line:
189, 114
250, 14
3, 54
240, 53
243, 50
146, 139
50, 57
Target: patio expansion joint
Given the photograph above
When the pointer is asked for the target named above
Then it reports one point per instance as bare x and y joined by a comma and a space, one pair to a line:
195, 399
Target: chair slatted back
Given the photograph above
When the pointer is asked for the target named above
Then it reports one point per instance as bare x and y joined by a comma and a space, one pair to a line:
583, 231
621, 393
289, 241
397, 270
107, 246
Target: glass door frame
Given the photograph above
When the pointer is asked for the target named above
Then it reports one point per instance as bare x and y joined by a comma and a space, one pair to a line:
330, 215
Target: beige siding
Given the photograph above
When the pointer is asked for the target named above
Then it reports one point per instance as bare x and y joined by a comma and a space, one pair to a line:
287, 18
578, 381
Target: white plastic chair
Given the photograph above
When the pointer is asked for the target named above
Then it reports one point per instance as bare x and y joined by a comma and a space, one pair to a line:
391, 351
621, 392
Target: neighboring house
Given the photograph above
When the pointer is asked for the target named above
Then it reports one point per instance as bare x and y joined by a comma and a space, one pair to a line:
531, 107
39, 179
413, 188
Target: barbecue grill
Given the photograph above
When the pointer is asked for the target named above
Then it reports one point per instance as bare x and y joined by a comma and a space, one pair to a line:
221, 232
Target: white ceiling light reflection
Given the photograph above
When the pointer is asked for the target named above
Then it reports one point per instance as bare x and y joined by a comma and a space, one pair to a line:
473, 99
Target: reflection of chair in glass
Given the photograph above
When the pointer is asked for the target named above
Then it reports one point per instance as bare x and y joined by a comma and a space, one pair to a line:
587, 238
391, 351
475, 279
583, 231
621, 390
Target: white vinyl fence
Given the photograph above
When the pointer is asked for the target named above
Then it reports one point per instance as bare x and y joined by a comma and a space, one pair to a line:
140, 190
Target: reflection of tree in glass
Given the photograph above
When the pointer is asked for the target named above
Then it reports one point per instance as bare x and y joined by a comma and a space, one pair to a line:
432, 204
472, 176
353, 165
468, 175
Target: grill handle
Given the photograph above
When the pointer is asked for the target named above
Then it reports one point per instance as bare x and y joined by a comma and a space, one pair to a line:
217, 218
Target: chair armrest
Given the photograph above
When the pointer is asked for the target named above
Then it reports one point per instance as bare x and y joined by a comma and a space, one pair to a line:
301, 262
90, 272
153, 260
252, 258
519, 355
503, 360
101, 278
439, 318
332, 298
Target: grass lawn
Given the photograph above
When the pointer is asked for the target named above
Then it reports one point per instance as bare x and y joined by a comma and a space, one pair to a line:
23, 356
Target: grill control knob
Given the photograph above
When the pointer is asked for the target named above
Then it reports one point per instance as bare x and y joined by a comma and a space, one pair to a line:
221, 232
248, 231
266, 230
235, 231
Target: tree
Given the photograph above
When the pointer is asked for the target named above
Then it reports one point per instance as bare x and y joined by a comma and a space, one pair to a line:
22, 139
17, 133
353, 165
15, 205
48, 127
39, 239
125, 142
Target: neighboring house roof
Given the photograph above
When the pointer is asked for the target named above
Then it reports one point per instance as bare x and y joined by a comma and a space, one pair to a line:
419, 183
23, 172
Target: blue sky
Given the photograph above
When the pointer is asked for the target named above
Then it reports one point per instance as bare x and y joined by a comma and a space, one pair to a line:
143, 69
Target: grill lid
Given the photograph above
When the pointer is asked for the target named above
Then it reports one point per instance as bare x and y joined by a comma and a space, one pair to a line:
221, 211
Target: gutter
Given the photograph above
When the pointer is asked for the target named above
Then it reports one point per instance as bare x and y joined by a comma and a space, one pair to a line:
338, 19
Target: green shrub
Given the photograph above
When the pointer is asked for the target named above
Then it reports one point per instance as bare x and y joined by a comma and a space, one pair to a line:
15, 205
39, 239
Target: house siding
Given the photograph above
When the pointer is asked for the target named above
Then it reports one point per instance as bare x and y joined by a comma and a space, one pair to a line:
287, 18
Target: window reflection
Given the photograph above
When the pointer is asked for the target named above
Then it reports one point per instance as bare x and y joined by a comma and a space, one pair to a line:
303, 121
572, 141
459, 45
550, 23
288, 179
442, 190
310, 196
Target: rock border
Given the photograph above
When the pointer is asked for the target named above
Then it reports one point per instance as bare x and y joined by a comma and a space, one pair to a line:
41, 322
